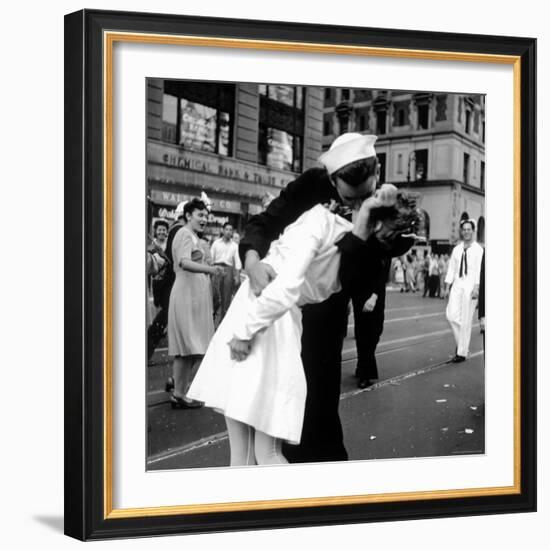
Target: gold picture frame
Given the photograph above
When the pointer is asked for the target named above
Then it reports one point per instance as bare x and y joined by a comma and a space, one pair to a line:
90, 39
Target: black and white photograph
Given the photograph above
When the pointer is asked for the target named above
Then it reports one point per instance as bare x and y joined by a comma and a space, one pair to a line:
314, 272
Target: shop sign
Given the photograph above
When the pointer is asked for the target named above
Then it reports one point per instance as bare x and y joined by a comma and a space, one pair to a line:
173, 199
223, 167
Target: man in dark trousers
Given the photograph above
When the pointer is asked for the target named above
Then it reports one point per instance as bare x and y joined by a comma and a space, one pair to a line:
369, 303
349, 175
481, 299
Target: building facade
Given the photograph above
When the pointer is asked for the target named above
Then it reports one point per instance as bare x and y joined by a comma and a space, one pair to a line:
239, 143
430, 143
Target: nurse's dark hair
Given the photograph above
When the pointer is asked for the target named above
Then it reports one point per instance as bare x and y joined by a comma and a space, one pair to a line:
355, 173
192, 205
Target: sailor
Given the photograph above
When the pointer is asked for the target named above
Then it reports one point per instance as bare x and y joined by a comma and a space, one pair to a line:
463, 274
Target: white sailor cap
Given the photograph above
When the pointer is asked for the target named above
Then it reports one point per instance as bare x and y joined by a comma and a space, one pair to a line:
346, 149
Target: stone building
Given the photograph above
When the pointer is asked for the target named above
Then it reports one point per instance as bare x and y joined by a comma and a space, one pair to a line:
430, 143
239, 143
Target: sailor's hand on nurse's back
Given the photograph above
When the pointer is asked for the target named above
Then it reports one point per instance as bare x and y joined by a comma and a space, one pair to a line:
259, 273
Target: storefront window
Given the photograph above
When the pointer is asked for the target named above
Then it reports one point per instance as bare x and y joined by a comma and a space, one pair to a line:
199, 116
169, 118
281, 127
280, 149
198, 126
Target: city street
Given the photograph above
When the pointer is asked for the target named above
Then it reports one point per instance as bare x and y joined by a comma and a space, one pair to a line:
422, 406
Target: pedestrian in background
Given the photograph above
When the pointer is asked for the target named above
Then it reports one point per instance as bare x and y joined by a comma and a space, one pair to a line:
410, 274
369, 302
225, 254
433, 277
162, 285
190, 318
400, 274
442, 265
481, 301
160, 231
463, 276
425, 273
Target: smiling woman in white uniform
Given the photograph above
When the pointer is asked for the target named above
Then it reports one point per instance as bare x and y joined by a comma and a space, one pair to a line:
463, 274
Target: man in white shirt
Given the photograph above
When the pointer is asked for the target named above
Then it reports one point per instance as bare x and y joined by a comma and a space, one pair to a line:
463, 274
225, 253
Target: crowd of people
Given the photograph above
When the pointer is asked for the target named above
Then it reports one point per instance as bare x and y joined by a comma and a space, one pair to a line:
426, 273
192, 281
256, 330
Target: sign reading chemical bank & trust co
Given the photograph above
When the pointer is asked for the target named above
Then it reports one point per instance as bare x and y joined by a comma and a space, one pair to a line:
172, 156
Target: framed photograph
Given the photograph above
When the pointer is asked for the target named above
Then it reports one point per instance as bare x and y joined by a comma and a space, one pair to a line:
276, 274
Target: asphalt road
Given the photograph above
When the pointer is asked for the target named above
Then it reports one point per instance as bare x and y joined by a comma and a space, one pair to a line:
422, 406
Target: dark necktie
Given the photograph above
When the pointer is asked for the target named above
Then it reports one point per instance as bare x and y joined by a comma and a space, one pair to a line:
463, 265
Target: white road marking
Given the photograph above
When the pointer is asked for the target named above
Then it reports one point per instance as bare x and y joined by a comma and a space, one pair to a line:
398, 319
194, 445
383, 343
400, 378
428, 305
438, 314
352, 325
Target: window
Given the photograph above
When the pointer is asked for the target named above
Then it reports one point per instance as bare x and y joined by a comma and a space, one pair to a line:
423, 117
466, 168
361, 95
421, 164
382, 164
281, 127
380, 122
361, 119
203, 128
483, 132
199, 116
482, 176
327, 124
329, 97
468, 121
399, 163
345, 94
169, 118
399, 119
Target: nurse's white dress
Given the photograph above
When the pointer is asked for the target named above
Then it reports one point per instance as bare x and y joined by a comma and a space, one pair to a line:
268, 389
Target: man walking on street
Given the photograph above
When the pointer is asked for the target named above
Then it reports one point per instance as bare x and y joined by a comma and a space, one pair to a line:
463, 274
225, 254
